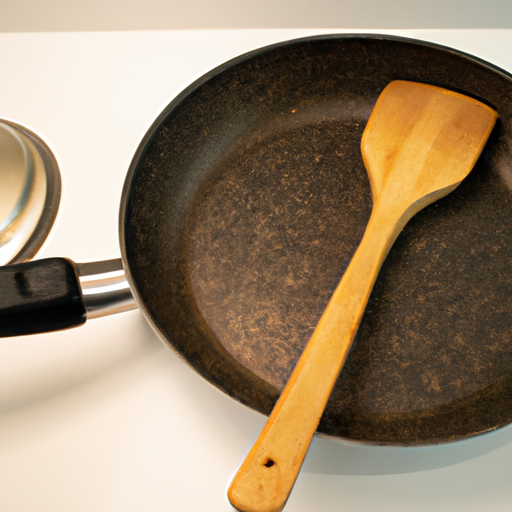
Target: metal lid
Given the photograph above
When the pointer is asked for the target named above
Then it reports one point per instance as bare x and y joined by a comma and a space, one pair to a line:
29, 192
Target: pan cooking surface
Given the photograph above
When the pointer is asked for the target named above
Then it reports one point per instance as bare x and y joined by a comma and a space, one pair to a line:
246, 201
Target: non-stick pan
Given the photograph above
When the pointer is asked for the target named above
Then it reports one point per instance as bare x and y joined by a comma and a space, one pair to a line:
240, 212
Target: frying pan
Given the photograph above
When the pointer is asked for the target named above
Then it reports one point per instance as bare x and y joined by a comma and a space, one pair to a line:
241, 209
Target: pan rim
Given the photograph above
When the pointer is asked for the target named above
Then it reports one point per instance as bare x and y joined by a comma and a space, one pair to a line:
139, 154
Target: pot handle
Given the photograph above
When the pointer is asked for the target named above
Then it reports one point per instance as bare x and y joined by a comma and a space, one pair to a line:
56, 293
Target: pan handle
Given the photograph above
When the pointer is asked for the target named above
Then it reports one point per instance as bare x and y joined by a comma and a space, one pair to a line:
56, 293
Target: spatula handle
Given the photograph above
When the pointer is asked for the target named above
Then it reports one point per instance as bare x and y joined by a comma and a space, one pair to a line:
266, 477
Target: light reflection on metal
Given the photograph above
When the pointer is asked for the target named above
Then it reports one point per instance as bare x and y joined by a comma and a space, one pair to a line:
29, 192
105, 289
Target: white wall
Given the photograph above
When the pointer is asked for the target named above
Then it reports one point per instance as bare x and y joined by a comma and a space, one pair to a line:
76, 15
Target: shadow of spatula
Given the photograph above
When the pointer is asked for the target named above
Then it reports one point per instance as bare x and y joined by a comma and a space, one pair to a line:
420, 142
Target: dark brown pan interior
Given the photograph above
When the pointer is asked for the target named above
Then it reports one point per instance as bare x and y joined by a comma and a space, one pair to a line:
246, 201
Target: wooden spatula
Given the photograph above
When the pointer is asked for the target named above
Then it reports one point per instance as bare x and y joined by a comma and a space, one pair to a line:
420, 142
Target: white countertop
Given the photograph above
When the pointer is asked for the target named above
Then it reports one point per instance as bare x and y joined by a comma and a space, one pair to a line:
105, 418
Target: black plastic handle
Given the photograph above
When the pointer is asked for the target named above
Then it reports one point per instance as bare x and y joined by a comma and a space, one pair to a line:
40, 296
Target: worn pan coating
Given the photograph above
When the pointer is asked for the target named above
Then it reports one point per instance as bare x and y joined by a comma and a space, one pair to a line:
246, 200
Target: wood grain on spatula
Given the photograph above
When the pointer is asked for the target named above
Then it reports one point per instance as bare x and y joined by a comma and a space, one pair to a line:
420, 142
